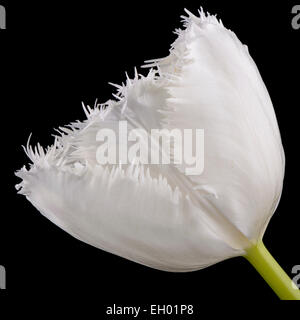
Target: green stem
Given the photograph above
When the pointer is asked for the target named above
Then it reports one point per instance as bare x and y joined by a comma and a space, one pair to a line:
271, 271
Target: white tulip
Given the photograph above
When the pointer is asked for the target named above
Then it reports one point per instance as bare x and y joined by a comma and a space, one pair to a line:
157, 215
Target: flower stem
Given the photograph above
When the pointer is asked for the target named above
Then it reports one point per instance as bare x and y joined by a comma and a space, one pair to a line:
271, 271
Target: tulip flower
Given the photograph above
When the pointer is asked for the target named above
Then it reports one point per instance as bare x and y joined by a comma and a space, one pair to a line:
157, 214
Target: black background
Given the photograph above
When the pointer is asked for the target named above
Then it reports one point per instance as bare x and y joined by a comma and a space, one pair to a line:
54, 56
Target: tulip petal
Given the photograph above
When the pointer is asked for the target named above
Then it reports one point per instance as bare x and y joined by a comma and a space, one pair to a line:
127, 213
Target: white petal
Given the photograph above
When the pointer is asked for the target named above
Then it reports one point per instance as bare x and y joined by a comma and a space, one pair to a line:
221, 91
141, 219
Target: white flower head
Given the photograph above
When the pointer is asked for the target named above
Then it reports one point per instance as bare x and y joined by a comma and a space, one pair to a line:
156, 214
